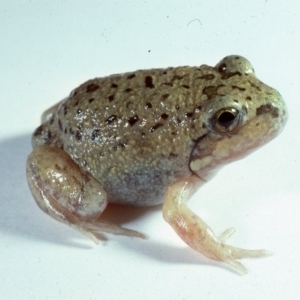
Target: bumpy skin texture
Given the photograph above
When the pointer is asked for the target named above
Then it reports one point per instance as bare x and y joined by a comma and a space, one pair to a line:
135, 132
139, 133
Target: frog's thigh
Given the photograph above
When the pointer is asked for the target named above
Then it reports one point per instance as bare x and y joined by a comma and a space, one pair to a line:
67, 193
195, 232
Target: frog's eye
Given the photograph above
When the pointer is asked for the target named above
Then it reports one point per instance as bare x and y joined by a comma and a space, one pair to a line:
226, 120
224, 114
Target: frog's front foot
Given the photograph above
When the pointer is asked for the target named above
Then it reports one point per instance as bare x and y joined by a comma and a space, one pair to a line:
196, 233
69, 194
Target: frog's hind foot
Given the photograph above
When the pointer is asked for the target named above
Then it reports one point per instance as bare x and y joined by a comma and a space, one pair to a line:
69, 194
94, 230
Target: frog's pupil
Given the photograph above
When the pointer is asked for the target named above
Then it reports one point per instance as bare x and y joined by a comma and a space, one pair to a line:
226, 119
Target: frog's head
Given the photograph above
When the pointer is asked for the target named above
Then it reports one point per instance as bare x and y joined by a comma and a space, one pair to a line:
241, 115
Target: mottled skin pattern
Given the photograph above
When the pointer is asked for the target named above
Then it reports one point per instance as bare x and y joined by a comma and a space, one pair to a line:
138, 133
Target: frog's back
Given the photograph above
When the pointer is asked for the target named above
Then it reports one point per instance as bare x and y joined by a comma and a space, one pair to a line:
132, 131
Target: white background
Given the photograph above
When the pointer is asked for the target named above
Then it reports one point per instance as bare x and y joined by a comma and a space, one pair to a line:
47, 49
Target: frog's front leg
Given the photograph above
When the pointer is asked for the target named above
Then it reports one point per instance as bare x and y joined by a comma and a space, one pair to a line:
69, 194
195, 232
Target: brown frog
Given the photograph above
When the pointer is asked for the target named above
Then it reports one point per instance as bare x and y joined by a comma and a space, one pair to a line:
151, 137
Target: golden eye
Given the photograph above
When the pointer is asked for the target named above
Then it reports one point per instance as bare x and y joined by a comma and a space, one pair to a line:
226, 120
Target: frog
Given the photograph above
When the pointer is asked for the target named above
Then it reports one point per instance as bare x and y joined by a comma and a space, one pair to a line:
152, 137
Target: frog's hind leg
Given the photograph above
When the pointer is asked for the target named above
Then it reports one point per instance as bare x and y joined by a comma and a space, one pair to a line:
68, 194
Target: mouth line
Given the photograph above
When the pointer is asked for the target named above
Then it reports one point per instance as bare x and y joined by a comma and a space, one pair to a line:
196, 143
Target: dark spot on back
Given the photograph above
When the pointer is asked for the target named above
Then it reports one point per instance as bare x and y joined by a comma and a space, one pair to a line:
133, 120
149, 82
91, 100
165, 96
207, 77
60, 125
130, 76
231, 74
248, 98
114, 85
95, 134
92, 88
78, 136
110, 119
164, 116
128, 90
255, 86
176, 77
153, 128
211, 90
111, 97
185, 86
65, 109
148, 105
57, 167
189, 114
239, 88
123, 145
45, 135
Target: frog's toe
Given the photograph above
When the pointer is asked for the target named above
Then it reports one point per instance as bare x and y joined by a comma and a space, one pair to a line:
226, 234
235, 264
97, 227
239, 252
230, 255
244, 253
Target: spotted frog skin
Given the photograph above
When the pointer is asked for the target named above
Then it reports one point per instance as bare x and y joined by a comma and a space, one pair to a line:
150, 137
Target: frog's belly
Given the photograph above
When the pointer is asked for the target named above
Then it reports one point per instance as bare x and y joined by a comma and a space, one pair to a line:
142, 187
